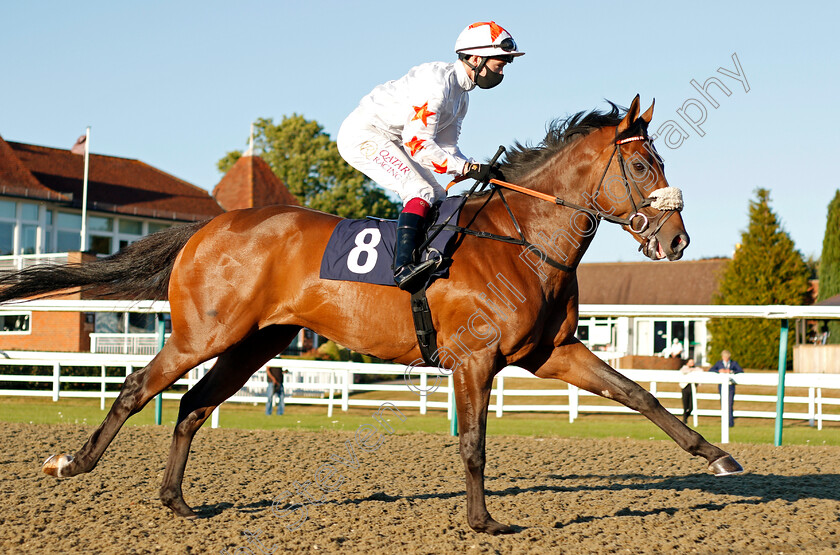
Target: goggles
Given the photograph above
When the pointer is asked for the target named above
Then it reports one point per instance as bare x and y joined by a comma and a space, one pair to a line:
506, 45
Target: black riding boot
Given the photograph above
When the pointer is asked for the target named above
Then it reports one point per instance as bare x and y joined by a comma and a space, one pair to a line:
407, 275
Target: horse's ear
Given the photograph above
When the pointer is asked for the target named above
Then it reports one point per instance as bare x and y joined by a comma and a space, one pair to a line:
632, 114
648, 115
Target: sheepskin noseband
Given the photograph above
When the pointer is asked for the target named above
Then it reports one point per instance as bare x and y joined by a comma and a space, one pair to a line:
667, 198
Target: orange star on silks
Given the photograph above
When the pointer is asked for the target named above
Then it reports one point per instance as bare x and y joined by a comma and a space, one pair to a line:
415, 145
495, 29
422, 113
440, 168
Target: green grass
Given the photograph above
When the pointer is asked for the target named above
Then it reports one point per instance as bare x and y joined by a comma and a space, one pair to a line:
310, 418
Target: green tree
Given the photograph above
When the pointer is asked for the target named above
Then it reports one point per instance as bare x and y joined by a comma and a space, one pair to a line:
308, 162
765, 269
829, 266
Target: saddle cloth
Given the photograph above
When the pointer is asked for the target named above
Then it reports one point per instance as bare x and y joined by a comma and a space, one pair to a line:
363, 250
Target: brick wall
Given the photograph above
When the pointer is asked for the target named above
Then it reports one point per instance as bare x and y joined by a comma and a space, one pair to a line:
54, 331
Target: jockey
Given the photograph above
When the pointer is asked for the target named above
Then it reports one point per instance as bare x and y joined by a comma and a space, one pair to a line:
406, 131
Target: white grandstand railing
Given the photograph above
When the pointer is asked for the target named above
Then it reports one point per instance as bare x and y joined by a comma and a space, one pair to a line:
332, 384
124, 343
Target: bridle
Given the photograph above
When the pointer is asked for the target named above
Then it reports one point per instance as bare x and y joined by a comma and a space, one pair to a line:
637, 222
642, 228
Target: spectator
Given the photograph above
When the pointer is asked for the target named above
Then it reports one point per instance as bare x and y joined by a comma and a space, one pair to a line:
675, 350
275, 387
687, 397
727, 366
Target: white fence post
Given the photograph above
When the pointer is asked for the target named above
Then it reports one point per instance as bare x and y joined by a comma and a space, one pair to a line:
573, 403
500, 396
345, 391
424, 393
56, 380
811, 407
694, 403
333, 377
819, 409
102, 396
214, 416
724, 409
450, 394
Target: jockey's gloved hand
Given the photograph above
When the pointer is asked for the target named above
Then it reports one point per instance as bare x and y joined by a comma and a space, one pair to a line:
482, 172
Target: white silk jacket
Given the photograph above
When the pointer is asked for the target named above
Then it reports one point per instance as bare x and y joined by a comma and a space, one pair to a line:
423, 111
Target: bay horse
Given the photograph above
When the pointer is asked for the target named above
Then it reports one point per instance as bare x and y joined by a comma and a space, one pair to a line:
243, 284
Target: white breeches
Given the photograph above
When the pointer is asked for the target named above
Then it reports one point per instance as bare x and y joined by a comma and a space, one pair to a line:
385, 161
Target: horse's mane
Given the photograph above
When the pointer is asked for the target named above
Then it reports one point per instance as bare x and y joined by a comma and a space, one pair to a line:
522, 159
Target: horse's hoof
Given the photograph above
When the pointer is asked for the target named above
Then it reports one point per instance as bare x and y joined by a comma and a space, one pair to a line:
55, 465
493, 528
725, 466
179, 507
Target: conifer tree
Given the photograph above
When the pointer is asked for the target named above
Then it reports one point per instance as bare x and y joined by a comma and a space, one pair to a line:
766, 269
829, 266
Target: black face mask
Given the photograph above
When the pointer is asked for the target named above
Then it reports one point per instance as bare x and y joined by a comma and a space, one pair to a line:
488, 79
484, 79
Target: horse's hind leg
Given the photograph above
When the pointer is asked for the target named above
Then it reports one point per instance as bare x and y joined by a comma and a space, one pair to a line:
137, 390
231, 371
577, 365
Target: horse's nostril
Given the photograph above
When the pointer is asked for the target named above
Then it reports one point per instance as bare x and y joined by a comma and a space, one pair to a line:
679, 243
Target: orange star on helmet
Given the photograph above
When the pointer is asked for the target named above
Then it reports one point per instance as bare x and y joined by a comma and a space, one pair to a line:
440, 168
415, 145
422, 113
495, 29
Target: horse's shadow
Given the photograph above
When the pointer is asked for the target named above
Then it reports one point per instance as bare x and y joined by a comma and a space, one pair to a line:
753, 489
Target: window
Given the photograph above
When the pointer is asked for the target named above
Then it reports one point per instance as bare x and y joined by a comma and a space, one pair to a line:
7, 210
67, 241
131, 227
8, 219
155, 227
14, 323
660, 336
128, 322
100, 223
48, 232
7, 238
583, 333
599, 334
100, 244
68, 229
656, 337
70, 221
28, 212
141, 323
28, 238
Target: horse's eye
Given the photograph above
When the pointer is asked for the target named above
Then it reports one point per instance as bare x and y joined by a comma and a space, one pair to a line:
639, 167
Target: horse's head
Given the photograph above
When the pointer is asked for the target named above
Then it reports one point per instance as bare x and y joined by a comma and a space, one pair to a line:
634, 191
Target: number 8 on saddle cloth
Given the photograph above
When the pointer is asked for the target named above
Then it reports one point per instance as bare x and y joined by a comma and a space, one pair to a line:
363, 250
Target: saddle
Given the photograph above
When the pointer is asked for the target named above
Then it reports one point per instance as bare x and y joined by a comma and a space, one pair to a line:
363, 251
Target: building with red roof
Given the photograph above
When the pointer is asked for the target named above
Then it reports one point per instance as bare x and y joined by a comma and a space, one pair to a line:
41, 190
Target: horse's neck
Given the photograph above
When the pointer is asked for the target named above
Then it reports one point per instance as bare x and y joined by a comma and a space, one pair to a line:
562, 233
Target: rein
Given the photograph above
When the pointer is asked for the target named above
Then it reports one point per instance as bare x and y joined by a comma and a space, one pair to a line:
642, 228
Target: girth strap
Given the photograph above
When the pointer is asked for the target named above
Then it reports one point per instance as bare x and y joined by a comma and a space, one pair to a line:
425, 328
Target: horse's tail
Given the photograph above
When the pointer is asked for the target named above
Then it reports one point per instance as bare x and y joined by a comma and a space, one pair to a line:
140, 270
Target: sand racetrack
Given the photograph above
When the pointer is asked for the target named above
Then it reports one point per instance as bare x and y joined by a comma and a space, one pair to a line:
564, 495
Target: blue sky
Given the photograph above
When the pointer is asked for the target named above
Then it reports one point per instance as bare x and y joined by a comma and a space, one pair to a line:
176, 84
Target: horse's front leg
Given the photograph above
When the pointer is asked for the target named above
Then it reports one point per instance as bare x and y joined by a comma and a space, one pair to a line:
472, 394
576, 364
